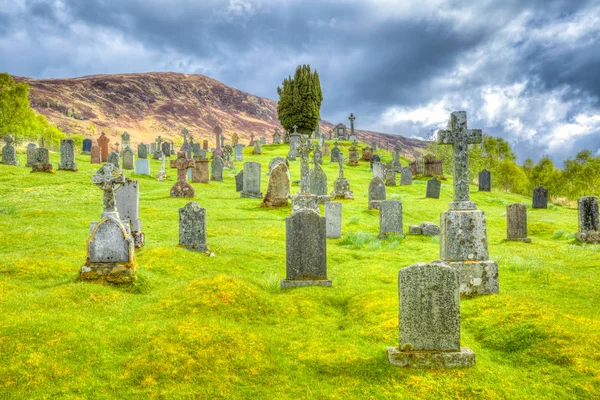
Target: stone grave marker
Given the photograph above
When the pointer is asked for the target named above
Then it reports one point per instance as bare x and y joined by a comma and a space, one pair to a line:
166, 149
9, 154
304, 199
200, 172
326, 149
30, 154
367, 153
396, 165
353, 156
433, 188
263, 140
114, 159
103, 143
376, 192
239, 155
485, 181
142, 163
142, 151
390, 177
374, 158
67, 155
516, 223
128, 206
41, 162
192, 227
239, 181
251, 188
96, 155
235, 139
587, 209
341, 186
257, 147
217, 130
278, 188
335, 153
182, 188
540, 197
429, 302
205, 144
406, 176
217, 169
161, 175
86, 146
390, 218
125, 141
276, 136
378, 170
276, 160
318, 181
333, 219
128, 158
318, 156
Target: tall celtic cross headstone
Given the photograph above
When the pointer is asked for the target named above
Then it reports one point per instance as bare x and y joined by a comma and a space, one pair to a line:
217, 131
460, 137
182, 188
109, 178
9, 155
351, 118
306, 147
396, 163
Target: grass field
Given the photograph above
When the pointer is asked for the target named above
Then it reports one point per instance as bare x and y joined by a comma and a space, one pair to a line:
219, 327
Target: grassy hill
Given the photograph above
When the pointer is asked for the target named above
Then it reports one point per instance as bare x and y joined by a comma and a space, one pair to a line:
219, 327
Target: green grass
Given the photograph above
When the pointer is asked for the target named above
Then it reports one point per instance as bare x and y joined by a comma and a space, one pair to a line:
195, 326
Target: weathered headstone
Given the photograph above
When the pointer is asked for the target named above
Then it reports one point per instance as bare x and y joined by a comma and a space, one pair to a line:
304, 199
306, 250
103, 143
263, 140
485, 181
205, 144
367, 153
235, 139
182, 188
200, 172
217, 130
192, 227
352, 134
86, 146
114, 159
257, 147
377, 192
161, 175
67, 155
374, 158
378, 170
433, 188
278, 188
276, 160
333, 219
125, 141
463, 242
251, 180
294, 144
41, 162
516, 222
217, 169
352, 156
318, 156
341, 186
390, 177
540, 197
326, 149
128, 158
96, 155
335, 153
374, 145
396, 165
276, 136
142, 151
166, 149
589, 225
239, 156
30, 154
318, 181
239, 181
390, 218
110, 247
9, 154
406, 176
128, 206
429, 302
152, 147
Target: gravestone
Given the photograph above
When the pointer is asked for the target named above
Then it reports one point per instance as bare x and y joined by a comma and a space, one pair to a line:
257, 148
114, 159
263, 140
352, 134
396, 165
294, 144
588, 231
318, 181
197, 151
67, 155
278, 188
96, 155
485, 181
217, 169
340, 131
276, 136
157, 154
205, 144
326, 149
166, 149
103, 143
306, 250
142, 166
374, 145
540, 197
367, 153
127, 200
463, 242
274, 161
318, 156
406, 176
182, 188
152, 148
341, 186
304, 199
125, 141
390, 177
128, 158
110, 247
239, 156
200, 172
390, 218
374, 158
353, 156
429, 319
235, 139
142, 151
376, 192
217, 130
161, 175
251, 180
86, 146
333, 219
251, 143
30, 154
186, 147
239, 181
192, 227
433, 188
516, 223
227, 161
335, 153
378, 170
9, 154
41, 161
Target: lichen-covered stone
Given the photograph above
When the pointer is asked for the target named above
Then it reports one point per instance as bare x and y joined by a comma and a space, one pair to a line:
406, 176
485, 181
67, 155
516, 222
200, 172
477, 277
239, 181
377, 192
390, 218
433, 188
333, 219
378, 170
278, 188
463, 236
414, 230
430, 229
192, 227
182, 188
217, 169
251, 180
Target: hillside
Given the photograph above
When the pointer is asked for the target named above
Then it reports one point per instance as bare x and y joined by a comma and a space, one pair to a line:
151, 104
219, 327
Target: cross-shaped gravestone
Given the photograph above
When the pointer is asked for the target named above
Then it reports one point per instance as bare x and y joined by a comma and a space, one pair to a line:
397, 149
159, 140
351, 118
460, 137
185, 134
341, 163
182, 164
305, 148
109, 178
217, 130
117, 147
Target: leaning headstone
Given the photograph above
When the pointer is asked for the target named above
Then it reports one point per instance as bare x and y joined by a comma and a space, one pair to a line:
128, 205
41, 162
114, 159
192, 227
257, 147
433, 188
333, 219
86, 146
217, 169
406, 176
390, 218
390, 177
429, 302
103, 143
463, 241
540, 197
341, 186
67, 155
589, 225
335, 153
200, 172
251, 180
9, 155
376, 192
239, 155
110, 247
516, 223
306, 250
278, 188
239, 181
182, 188
96, 155
485, 181
378, 170
128, 158
30, 154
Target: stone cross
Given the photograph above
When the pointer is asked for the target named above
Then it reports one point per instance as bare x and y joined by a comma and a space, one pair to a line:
341, 163
217, 130
397, 149
460, 137
182, 164
159, 140
117, 147
185, 134
305, 148
109, 178
351, 118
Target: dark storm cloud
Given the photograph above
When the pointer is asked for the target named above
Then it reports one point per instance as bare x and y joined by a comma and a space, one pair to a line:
525, 70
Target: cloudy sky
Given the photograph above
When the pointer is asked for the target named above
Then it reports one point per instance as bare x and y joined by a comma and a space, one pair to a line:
526, 70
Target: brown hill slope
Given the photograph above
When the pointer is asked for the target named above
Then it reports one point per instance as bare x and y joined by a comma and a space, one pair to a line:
151, 104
